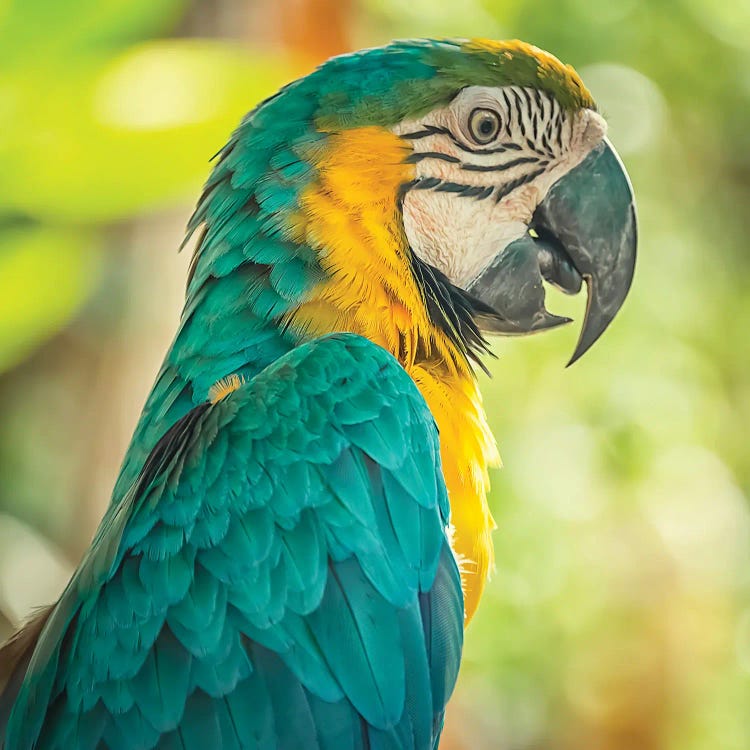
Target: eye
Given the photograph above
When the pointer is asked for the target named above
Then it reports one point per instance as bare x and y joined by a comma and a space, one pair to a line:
484, 125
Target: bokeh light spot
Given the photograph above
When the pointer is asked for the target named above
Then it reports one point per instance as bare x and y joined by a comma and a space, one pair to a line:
155, 86
632, 104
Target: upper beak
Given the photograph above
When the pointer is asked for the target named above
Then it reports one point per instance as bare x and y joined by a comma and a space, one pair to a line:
584, 230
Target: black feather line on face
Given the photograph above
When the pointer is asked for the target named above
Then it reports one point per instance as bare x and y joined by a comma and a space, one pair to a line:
500, 167
430, 130
509, 187
479, 192
452, 310
418, 156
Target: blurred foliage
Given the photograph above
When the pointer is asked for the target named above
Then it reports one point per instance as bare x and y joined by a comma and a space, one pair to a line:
123, 132
619, 615
44, 274
99, 123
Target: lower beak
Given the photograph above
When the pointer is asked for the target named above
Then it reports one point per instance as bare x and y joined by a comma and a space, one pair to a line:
583, 231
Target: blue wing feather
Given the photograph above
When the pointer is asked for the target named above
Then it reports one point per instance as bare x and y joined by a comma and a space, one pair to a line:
278, 577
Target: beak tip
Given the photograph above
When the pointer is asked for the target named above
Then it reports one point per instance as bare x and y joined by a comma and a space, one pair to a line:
577, 354
550, 320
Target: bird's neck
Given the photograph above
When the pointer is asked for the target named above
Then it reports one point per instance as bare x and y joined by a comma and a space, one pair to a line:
351, 216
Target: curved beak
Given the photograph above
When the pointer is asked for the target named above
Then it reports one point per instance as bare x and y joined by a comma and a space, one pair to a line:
583, 231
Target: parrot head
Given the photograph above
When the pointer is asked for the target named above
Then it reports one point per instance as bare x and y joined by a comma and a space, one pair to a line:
423, 192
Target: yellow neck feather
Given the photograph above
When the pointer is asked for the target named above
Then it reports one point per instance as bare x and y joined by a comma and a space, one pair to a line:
351, 216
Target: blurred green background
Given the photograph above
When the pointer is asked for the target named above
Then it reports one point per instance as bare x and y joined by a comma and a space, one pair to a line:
619, 615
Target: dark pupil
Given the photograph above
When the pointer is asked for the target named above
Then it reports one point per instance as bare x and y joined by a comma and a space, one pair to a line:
487, 126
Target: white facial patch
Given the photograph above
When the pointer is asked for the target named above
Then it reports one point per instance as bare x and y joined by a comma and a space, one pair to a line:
483, 165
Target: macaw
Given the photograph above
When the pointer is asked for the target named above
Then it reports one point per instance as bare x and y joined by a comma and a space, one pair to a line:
300, 530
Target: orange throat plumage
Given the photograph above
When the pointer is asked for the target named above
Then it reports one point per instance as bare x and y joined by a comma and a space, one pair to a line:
351, 216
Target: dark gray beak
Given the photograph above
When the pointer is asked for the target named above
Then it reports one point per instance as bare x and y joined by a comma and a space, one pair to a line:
584, 230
